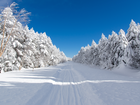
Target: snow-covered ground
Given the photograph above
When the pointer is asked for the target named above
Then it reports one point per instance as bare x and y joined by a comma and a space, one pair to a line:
70, 84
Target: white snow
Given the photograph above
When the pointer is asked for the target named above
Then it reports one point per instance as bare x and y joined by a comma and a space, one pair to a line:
70, 84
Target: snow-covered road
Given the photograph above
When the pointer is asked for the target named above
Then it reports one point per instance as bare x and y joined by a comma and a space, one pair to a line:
69, 84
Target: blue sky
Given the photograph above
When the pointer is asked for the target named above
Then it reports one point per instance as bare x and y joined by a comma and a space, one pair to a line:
72, 24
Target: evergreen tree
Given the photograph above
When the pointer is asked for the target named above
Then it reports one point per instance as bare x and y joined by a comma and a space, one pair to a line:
132, 53
116, 50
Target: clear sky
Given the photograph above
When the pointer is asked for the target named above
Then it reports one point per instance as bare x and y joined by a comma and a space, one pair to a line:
72, 24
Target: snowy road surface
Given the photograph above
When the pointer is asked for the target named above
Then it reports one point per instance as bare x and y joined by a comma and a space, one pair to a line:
69, 84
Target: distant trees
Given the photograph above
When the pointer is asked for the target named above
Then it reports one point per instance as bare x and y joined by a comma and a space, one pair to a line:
115, 50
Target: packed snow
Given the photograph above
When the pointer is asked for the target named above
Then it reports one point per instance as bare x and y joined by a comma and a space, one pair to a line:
70, 84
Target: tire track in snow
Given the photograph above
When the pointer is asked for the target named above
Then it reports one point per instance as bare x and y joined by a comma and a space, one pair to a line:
68, 84
81, 94
62, 96
77, 96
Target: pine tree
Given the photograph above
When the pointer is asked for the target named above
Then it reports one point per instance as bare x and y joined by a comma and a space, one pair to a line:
102, 51
116, 50
132, 53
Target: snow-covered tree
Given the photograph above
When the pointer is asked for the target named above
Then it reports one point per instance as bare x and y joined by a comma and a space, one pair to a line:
25, 47
9, 19
116, 50
102, 51
132, 53
92, 53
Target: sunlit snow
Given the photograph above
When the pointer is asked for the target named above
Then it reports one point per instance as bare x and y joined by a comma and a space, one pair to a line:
70, 84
